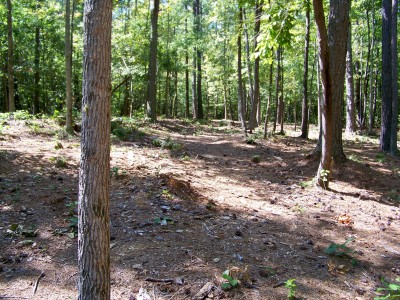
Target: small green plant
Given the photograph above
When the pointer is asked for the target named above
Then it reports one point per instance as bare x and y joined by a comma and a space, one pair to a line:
114, 171
58, 145
292, 287
308, 183
256, 159
167, 194
381, 157
391, 290
59, 162
164, 221
340, 250
185, 158
22, 115
231, 282
394, 195
156, 142
298, 209
354, 157
251, 140
72, 207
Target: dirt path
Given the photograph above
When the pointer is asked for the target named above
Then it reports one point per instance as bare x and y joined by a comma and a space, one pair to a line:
198, 206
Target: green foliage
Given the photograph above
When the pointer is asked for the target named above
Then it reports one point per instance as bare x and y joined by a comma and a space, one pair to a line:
19, 229
391, 290
355, 158
166, 144
292, 287
340, 250
59, 162
164, 221
231, 282
251, 140
256, 158
381, 157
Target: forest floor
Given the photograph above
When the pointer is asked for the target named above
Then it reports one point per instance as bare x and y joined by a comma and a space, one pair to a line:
191, 201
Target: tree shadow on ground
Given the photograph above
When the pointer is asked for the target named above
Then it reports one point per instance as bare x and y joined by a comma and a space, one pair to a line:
201, 236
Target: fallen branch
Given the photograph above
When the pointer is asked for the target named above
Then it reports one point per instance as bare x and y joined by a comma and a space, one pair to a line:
37, 282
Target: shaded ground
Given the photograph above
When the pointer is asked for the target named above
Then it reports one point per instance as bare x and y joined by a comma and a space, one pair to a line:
189, 202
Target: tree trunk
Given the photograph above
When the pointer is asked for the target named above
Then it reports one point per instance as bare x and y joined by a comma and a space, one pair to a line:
200, 112
269, 101
152, 84
304, 107
94, 175
338, 30
385, 138
277, 85
371, 72
394, 90
10, 69
241, 113
324, 168
68, 67
186, 78
36, 95
198, 58
350, 105
253, 104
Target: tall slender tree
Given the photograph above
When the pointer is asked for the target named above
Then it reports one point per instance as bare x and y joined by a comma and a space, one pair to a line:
94, 174
304, 110
68, 66
241, 106
152, 83
10, 58
350, 105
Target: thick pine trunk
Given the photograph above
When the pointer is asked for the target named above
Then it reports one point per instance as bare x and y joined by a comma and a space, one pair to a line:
338, 30
326, 101
94, 174
152, 84
386, 76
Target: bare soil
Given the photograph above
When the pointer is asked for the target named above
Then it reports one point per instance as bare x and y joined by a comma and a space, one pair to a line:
204, 203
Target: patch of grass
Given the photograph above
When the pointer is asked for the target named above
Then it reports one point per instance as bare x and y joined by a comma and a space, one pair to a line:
58, 145
62, 134
59, 162
298, 209
256, 158
185, 158
166, 144
394, 195
355, 158
251, 140
391, 290
381, 157
341, 250
308, 183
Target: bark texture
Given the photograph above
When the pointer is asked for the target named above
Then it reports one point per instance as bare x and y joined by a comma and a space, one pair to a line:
326, 101
350, 105
68, 66
337, 34
304, 108
152, 84
10, 64
241, 106
94, 174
